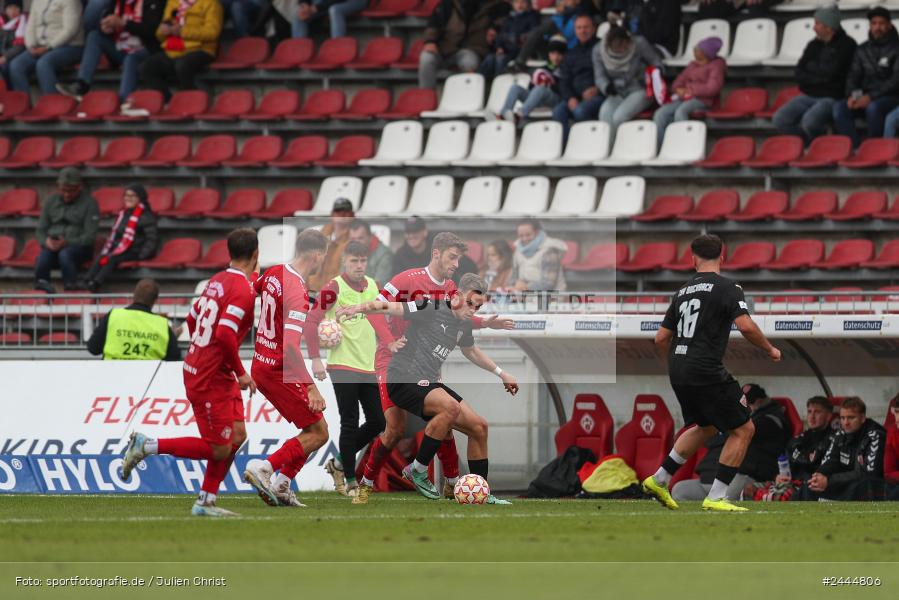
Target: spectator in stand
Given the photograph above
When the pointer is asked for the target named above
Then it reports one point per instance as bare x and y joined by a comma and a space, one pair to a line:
581, 98
312, 14
852, 468
189, 35
338, 233
498, 269
456, 35
891, 454
561, 23
126, 36
620, 61
380, 258
659, 21
133, 237
66, 230
13, 23
872, 85
821, 74
243, 14
722, 9
544, 90
696, 88
507, 41
53, 41
537, 263
415, 253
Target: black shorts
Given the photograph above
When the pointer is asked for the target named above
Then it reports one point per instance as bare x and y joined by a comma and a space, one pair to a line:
411, 396
720, 404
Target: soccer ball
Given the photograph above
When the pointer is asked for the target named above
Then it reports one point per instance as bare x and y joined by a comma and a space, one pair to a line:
471, 489
329, 333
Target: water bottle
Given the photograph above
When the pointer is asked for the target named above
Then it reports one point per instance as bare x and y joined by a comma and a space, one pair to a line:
783, 465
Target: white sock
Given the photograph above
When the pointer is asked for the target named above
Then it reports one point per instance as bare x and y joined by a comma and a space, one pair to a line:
417, 466
367, 481
662, 476
337, 463
205, 498
452, 480
281, 482
151, 447
719, 489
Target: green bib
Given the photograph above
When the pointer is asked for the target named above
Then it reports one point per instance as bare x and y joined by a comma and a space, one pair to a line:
359, 343
135, 335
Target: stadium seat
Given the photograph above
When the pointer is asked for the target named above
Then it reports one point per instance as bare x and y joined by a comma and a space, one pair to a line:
333, 54
333, 188
480, 196
635, 142
749, 256
257, 151
7, 244
875, 152
95, 106
684, 144
302, 152
13, 104
447, 142
15, 339
160, 199
650, 257
194, 203
889, 214
463, 93
590, 427
73, 153
285, 204
857, 29
601, 256
276, 244
847, 254
424, 10
776, 151
761, 206
824, 151
810, 206
60, 338
754, 42
5, 147
409, 61
646, 439
588, 142
289, 54
541, 141
741, 103
109, 200
27, 257
174, 254
796, 35
49, 107
433, 194
365, 105
684, 263
388, 9
239, 204
783, 96
887, 258
151, 101
379, 53
165, 151
400, 141
792, 415
385, 195
575, 195
493, 141
119, 153
713, 206
700, 30
319, 106
210, 152
230, 105
184, 106
244, 53
274, 106
216, 257
728, 152
475, 252
499, 89
527, 195
797, 254
621, 196
800, 5
29, 152
16, 202
348, 151
410, 104
859, 206
665, 208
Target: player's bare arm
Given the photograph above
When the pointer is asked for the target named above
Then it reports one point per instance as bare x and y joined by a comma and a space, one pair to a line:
374, 307
663, 339
754, 335
477, 357
497, 322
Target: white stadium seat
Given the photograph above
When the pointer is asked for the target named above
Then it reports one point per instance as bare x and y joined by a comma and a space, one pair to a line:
499, 89
575, 195
635, 142
541, 141
385, 195
797, 34
588, 142
432, 195
528, 195
684, 144
462, 94
801, 5
276, 244
858, 4
699, 31
447, 141
481, 196
382, 232
754, 42
400, 141
333, 188
857, 29
493, 141
622, 197
691, 7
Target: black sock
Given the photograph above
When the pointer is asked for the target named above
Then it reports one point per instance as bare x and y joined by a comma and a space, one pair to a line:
427, 450
478, 467
726, 473
670, 465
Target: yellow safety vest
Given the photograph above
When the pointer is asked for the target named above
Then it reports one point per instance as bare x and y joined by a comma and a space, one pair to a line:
135, 335
359, 343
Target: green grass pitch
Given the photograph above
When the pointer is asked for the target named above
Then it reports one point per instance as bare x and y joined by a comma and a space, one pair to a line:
403, 546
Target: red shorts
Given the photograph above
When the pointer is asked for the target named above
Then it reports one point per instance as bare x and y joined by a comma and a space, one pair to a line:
289, 399
382, 391
216, 410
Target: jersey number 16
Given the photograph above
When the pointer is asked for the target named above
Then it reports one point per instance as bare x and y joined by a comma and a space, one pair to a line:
689, 314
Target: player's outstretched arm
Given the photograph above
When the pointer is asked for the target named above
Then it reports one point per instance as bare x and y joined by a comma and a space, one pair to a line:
754, 335
394, 309
477, 357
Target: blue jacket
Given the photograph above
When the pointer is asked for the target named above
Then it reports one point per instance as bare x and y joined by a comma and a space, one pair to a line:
576, 74
515, 27
565, 24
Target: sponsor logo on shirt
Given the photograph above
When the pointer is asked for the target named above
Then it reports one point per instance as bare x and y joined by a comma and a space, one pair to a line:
593, 326
680, 349
424, 383
793, 325
531, 325
862, 325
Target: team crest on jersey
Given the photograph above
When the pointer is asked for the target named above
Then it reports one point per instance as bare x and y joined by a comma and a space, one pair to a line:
587, 424
424, 383
647, 424
226, 433
743, 401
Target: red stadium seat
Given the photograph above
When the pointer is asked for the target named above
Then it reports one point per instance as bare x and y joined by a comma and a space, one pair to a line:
5, 147
379, 53
348, 151
714, 206
183, 106
239, 204
109, 200
60, 337
365, 105
333, 54
793, 418
274, 106
289, 54
847, 254
195, 203
302, 152
602, 256
15, 339
424, 9
761, 206
858, 206
891, 213
824, 151
783, 96
216, 257
387, 9
165, 151
160, 199
27, 257
74, 152
797, 254
751, 255
17, 202
245, 53
590, 427
665, 208
475, 252
409, 62
174, 254
728, 152
119, 152
13, 104
684, 263
49, 107
810, 206
875, 152
29, 152
7, 244
285, 204
572, 253
650, 257
95, 106
410, 104
210, 152
688, 469
230, 105
320, 106
887, 258
646, 439
257, 151
741, 104
151, 101
890, 420
776, 151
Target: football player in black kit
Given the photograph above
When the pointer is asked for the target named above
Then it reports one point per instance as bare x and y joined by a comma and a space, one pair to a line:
694, 334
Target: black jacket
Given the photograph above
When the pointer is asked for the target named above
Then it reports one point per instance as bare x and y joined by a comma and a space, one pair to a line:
150, 19
576, 74
515, 27
659, 21
853, 457
456, 24
875, 68
406, 258
806, 451
98, 337
146, 237
823, 67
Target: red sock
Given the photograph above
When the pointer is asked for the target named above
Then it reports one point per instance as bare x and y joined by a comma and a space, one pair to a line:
377, 456
449, 458
287, 454
216, 470
293, 467
186, 447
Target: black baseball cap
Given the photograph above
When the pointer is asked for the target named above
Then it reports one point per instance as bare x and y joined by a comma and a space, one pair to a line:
342, 205
878, 11
414, 224
754, 392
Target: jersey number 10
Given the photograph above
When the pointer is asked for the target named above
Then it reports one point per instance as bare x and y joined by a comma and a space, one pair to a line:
689, 314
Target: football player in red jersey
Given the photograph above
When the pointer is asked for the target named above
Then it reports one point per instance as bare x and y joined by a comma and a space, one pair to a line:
213, 375
280, 371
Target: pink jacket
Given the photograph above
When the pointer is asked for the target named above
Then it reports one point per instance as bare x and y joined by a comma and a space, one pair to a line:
703, 82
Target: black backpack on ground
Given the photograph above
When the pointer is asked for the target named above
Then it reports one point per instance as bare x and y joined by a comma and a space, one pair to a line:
559, 477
